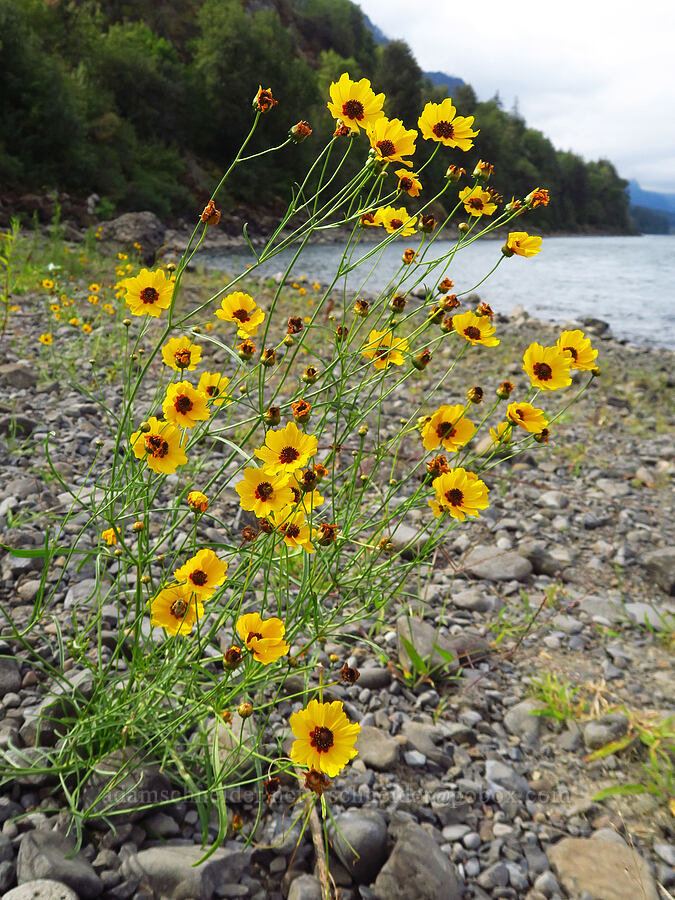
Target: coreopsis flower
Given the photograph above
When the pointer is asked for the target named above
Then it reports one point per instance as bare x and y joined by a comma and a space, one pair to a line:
327, 534
148, 293
214, 387
86, 328
408, 182
390, 140
579, 348
262, 493
246, 350
263, 637
304, 499
269, 357
459, 494
385, 349
526, 416
475, 329
46, 339
477, 202
325, 737
300, 132
160, 445
181, 354
47, 284
409, 257
109, 536
439, 122
354, 103
74, 321
427, 223
520, 243
295, 325
447, 428
547, 367
295, 530
203, 574
210, 215
437, 466
310, 375
197, 501
94, 288
184, 405
263, 100
241, 309
232, 657
454, 173
505, 390
368, 219
175, 609
501, 433
396, 219
286, 450
537, 197
483, 170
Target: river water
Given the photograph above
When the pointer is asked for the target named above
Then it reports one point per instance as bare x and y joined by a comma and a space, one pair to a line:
627, 281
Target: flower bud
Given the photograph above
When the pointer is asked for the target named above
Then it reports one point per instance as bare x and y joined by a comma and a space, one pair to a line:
409, 257
272, 416
342, 130
363, 430
341, 332
326, 534
361, 308
316, 782
449, 301
505, 390
321, 471
300, 132
288, 340
301, 411
446, 325
245, 710
437, 466
126, 322
246, 350
483, 170
269, 357
210, 215
310, 375
398, 303
463, 227
475, 395
426, 224
445, 286
295, 325
309, 480
263, 100
248, 535
543, 436
349, 674
435, 314
422, 360
507, 251
138, 526
232, 658
454, 173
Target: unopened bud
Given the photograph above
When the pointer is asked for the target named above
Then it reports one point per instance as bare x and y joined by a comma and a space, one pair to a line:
272, 415
454, 173
138, 526
245, 710
232, 657
300, 132
269, 357
310, 375
475, 395
422, 360
463, 227
505, 390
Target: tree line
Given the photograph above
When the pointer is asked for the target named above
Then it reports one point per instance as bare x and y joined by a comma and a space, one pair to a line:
143, 102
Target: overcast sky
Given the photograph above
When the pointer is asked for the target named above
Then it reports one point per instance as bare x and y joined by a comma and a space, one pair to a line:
597, 77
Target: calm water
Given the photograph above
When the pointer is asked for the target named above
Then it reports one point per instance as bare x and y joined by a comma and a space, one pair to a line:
627, 281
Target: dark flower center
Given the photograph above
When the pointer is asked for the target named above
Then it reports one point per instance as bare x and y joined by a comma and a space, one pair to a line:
454, 496
254, 634
443, 129
296, 494
264, 490
520, 413
543, 371
353, 109
199, 577
445, 429
396, 223
572, 351
472, 332
292, 531
322, 739
178, 608
475, 203
183, 358
149, 295
241, 314
288, 455
156, 446
386, 147
183, 404
405, 184
212, 390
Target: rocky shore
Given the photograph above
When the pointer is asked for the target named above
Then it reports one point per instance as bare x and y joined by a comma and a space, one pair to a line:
458, 790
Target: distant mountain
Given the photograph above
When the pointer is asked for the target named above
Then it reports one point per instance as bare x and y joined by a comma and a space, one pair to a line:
650, 199
436, 78
440, 78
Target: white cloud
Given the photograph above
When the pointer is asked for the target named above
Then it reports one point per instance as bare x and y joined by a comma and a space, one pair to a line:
595, 77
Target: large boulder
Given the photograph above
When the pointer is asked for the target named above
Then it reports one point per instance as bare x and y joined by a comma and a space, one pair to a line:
606, 870
175, 870
142, 228
49, 855
418, 870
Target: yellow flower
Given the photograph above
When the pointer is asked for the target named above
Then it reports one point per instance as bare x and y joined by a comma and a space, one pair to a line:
86, 328
520, 243
548, 367
180, 354
392, 219
537, 197
109, 536
74, 321
47, 283
475, 329
94, 288
501, 434
46, 339
408, 182
241, 308
203, 573
579, 348
263, 637
184, 406
286, 450
477, 202
391, 141
295, 530
527, 416
325, 737
54, 307
438, 122
197, 501
93, 299
215, 387
302, 291
175, 609
161, 446
262, 493
354, 103
148, 293
302, 498
385, 349
109, 308
447, 427
460, 494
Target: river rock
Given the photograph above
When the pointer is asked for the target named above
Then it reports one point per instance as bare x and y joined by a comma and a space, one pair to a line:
604, 730
305, 887
143, 228
41, 889
431, 646
494, 564
377, 749
660, 565
417, 870
610, 871
48, 854
18, 375
127, 797
172, 870
359, 838
522, 720
10, 676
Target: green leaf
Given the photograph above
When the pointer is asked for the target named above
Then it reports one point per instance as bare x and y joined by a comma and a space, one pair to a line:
610, 748
621, 790
415, 658
36, 552
444, 654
